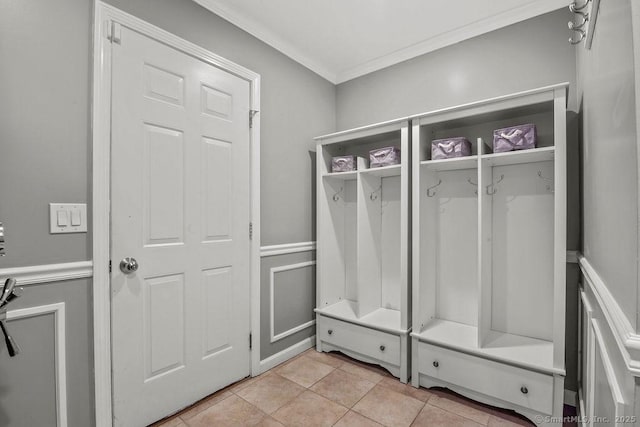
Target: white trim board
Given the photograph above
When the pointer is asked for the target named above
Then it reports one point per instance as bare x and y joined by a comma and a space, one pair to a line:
612, 380
627, 339
287, 248
104, 15
272, 282
58, 311
47, 273
335, 76
286, 354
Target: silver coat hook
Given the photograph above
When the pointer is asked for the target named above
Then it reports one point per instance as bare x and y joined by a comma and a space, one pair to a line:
581, 37
474, 184
493, 186
573, 7
336, 196
373, 196
430, 192
574, 26
549, 181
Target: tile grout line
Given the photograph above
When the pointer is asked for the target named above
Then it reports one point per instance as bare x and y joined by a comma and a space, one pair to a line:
463, 416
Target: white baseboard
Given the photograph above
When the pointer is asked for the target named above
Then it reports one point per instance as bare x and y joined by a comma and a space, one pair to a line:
570, 398
286, 354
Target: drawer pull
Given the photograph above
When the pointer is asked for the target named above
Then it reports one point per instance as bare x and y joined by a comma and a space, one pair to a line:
382, 348
435, 364
524, 390
330, 331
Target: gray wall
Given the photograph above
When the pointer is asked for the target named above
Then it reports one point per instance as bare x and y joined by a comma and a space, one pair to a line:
610, 178
608, 95
523, 56
44, 125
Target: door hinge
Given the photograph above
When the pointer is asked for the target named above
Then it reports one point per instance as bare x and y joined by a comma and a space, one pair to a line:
114, 32
109, 266
250, 231
251, 114
250, 342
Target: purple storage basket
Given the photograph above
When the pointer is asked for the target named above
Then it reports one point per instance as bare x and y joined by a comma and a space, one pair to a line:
521, 137
386, 156
449, 148
343, 164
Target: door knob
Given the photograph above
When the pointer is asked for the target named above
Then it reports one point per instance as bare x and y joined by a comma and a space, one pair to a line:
129, 265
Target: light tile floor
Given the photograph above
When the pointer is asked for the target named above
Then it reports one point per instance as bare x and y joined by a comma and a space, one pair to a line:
330, 389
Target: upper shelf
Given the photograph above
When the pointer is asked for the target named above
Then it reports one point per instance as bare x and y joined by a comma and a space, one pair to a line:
457, 163
533, 155
345, 176
393, 170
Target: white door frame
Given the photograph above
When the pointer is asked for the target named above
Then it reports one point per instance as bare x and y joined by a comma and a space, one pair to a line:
104, 16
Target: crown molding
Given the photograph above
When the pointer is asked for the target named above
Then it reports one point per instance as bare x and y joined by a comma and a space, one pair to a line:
269, 37
475, 29
256, 29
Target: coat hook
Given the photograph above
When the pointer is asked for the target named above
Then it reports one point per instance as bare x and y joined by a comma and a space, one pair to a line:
573, 7
574, 26
373, 196
474, 184
431, 193
336, 196
582, 36
546, 180
493, 186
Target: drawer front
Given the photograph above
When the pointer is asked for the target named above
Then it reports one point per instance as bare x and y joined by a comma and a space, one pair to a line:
369, 342
520, 386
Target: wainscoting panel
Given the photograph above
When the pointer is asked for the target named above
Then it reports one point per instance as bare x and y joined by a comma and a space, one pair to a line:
287, 288
57, 313
607, 392
292, 285
50, 382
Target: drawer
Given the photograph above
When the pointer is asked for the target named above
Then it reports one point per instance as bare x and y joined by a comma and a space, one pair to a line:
360, 339
516, 385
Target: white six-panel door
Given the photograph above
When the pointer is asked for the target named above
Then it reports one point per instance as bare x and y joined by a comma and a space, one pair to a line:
180, 206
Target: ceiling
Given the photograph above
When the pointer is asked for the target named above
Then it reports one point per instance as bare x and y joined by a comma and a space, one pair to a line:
344, 39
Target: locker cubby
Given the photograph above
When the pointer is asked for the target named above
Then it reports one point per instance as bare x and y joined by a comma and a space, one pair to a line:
363, 244
489, 248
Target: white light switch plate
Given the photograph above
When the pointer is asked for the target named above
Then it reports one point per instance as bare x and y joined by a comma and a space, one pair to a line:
68, 217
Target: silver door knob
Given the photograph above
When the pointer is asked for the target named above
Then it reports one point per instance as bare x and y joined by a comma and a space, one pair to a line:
129, 265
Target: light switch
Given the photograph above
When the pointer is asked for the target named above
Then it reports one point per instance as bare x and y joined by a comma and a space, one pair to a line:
63, 218
68, 217
76, 218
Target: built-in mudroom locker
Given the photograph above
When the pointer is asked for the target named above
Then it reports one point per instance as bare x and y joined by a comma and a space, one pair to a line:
485, 307
363, 293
